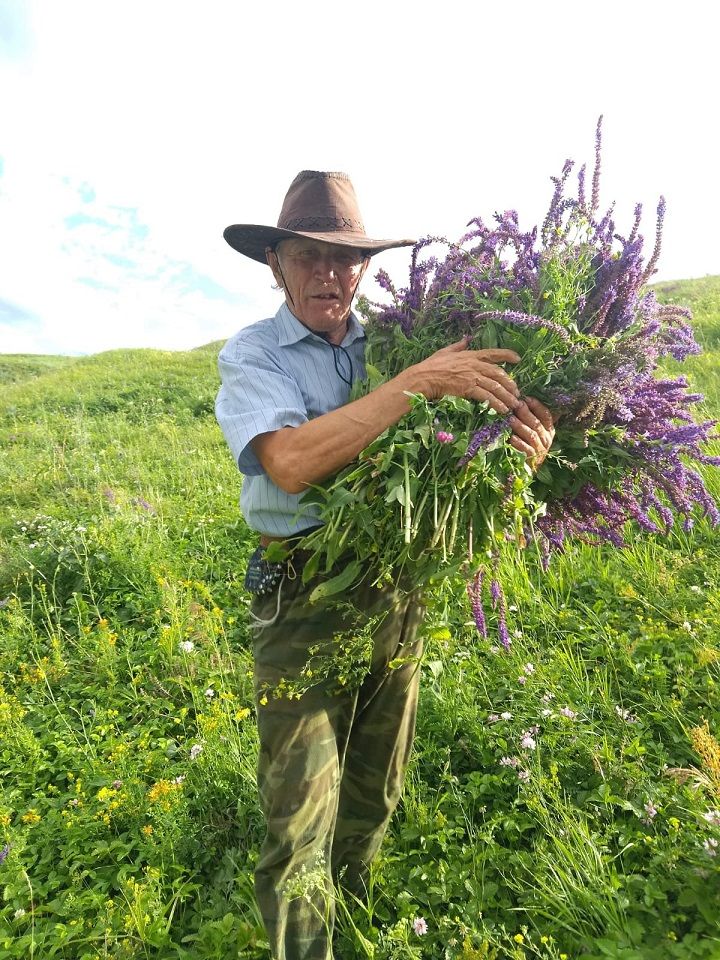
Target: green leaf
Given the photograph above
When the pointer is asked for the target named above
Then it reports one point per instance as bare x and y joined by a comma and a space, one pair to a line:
276, 552
341, 582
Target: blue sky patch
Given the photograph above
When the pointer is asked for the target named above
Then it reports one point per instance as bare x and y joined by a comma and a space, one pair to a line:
118, 261
97, 284
188, 280
83, 219
87, 194
15, 316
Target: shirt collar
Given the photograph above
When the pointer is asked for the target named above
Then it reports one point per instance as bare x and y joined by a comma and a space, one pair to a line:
291, 331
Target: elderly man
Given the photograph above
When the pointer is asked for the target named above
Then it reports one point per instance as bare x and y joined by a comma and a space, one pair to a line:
331, 768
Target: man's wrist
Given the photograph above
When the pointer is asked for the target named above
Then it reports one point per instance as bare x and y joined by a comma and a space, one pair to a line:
411, 380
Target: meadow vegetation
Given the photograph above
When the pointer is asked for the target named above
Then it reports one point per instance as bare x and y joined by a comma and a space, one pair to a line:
563, 800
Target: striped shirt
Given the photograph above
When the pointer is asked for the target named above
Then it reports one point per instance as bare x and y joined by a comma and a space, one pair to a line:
277, 373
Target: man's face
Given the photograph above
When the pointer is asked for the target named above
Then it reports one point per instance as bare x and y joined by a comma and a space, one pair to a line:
319, 281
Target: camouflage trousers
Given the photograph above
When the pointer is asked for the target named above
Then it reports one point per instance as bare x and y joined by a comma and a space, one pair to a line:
331, 765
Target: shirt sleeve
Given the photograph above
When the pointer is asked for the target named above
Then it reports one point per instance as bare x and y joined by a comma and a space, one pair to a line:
256, 396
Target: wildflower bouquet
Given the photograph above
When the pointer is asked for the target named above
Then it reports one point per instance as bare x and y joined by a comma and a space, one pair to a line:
443, 489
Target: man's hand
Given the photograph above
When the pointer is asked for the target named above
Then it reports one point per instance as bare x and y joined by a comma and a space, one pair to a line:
533, 430
474, 374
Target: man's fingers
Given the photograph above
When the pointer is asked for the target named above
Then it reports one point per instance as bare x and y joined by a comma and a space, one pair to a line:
529, 436
497, 356
493, 372
488, 387
541, 412
456, 347
523, 447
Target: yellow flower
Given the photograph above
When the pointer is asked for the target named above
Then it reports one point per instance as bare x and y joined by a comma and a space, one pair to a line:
245, 712
147, 829
263, 700
544, 940
163, 793
31, 817
519, 938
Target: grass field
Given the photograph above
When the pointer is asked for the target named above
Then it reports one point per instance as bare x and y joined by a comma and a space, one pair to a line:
563, 800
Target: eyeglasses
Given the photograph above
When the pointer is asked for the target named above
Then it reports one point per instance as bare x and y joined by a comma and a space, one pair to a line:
338, 259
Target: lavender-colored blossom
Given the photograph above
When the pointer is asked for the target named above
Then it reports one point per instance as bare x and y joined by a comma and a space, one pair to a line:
524, 320
595, 196
4, 852
474, 591
484, 437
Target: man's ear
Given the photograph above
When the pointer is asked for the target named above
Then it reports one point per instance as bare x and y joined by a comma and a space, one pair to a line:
365, 265
273, 263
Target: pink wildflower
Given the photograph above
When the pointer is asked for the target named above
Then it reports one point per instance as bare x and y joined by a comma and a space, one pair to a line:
420, 926
443, 437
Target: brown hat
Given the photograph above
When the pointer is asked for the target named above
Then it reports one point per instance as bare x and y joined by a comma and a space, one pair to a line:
319, 205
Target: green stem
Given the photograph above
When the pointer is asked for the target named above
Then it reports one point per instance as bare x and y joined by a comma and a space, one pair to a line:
418, 513
408, 504
440, 527
454, 525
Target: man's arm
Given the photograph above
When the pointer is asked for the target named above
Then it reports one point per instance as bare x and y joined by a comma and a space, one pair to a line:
295, 457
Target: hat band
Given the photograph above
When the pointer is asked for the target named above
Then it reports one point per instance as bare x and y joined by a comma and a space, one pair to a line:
323, 223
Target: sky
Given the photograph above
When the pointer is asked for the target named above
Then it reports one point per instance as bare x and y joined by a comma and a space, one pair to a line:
132, 133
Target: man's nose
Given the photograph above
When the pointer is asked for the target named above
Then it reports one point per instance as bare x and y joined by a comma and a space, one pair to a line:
325, 266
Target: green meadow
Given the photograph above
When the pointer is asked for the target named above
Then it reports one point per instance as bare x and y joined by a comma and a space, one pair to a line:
563, 800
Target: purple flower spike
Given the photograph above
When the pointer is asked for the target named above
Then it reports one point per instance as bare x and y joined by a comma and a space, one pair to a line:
503, 630
4, 852
483, 438
474, 592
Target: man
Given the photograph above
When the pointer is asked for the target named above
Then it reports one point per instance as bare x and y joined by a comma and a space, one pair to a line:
331, 767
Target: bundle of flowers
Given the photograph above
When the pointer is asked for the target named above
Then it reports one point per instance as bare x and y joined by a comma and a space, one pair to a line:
443, 490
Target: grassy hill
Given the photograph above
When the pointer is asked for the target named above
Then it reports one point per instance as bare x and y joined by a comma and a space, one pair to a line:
128, 820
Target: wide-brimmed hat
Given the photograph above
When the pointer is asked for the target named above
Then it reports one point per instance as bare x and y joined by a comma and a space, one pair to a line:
319, 204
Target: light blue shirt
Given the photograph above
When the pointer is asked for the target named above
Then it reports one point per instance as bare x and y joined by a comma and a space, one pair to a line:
277, 373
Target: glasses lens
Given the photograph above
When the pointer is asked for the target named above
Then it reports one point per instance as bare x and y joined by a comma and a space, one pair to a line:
339, 259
